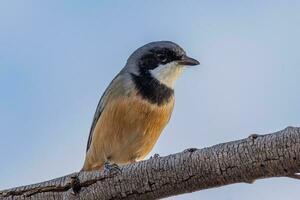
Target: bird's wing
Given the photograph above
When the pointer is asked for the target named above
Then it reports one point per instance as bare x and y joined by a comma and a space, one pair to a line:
113, 90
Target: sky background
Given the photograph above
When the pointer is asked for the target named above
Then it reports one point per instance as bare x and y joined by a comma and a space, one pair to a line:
57, 58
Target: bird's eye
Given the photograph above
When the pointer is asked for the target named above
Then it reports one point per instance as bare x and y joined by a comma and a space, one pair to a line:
162, 57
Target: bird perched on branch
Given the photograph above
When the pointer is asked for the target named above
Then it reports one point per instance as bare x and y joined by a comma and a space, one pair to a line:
136, 106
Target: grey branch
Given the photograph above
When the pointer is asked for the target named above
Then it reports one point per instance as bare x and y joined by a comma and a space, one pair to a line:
241, 161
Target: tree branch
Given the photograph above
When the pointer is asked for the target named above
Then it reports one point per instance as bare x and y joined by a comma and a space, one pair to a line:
256, 157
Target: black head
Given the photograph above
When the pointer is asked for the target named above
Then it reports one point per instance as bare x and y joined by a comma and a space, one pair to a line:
154, 68
153, 54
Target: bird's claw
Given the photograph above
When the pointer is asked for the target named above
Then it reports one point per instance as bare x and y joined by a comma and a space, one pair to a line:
112, 168
253, 136
190, 150
156, 155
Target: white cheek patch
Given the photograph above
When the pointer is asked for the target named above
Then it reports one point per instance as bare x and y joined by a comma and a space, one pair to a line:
168, 73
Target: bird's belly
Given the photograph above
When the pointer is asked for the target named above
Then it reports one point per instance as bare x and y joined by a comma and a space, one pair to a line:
129, 129
136, 145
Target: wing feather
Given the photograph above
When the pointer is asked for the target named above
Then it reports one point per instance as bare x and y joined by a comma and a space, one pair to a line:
114, 89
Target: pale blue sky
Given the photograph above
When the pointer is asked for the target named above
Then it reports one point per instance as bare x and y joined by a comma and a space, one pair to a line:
57, 57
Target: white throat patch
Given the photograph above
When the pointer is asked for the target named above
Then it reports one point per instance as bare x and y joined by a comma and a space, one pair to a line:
168, 73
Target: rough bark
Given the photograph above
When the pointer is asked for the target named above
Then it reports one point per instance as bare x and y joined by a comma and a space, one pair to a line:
256, 157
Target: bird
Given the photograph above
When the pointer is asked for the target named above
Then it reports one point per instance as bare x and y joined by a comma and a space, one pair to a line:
136, 106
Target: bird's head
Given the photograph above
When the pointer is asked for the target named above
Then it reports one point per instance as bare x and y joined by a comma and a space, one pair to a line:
163, 60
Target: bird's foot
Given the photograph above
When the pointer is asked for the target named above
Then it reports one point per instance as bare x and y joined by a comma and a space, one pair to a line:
156, 155
112, 168
253, 137
190, 150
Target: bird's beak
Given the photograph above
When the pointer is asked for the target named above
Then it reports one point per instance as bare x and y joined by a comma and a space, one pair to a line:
185, 60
